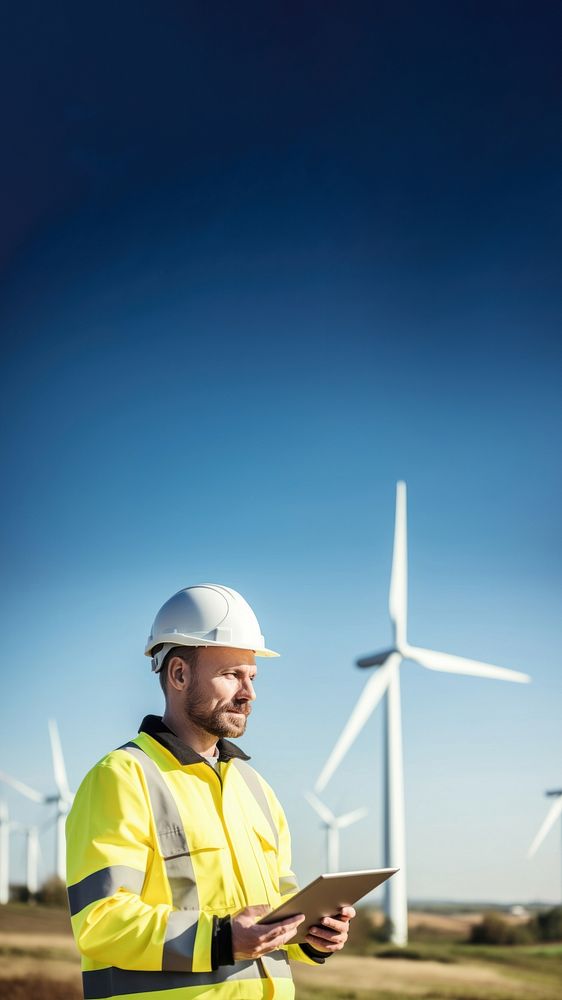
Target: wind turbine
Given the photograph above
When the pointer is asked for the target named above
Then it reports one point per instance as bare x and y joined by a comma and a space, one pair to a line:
31, 856
62, 798
550, 819
333, 825
386, 682
4, 854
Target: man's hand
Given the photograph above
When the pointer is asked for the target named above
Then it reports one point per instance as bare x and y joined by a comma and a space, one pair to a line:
331, 934
252, 940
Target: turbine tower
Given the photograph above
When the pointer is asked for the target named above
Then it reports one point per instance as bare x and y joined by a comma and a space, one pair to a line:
386, 682
550, 819
4, 854
31, 856
333, 825
62, 798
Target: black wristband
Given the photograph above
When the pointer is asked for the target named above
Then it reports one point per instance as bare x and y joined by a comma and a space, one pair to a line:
313, 953
221, 945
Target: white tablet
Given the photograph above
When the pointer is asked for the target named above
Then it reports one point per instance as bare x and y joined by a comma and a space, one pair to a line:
325, 895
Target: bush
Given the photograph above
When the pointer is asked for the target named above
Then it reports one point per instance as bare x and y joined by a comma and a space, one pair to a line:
366, 931
495, 929
361, 934
53, 893
549, 924
21, 894
383, 932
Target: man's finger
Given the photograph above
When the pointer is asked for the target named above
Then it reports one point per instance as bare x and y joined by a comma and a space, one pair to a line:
334, 924
283, 925
273, 943
320, 944
327, 934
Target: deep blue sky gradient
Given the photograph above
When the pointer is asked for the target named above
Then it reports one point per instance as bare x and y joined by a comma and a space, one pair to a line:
258, 264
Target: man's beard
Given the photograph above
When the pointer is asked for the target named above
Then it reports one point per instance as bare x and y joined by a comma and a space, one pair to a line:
218, 722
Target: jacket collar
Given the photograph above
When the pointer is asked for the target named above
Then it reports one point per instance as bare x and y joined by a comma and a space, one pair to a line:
153, 726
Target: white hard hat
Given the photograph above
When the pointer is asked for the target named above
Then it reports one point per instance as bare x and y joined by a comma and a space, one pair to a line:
205, 615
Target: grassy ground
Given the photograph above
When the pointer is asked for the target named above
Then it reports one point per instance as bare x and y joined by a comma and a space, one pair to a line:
474, 978
38, 961
38, 988
438, 968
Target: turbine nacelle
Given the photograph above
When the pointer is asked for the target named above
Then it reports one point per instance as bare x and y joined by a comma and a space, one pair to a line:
376, 659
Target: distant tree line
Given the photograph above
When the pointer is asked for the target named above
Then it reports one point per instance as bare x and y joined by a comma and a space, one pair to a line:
51, 893
495, 929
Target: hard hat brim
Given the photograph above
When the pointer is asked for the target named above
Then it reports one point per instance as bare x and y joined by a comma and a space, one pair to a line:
191, 640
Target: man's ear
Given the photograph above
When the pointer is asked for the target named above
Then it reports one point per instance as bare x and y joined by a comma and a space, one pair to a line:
178, 673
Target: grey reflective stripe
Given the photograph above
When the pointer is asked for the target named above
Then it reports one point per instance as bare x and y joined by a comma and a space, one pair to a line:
170, 832
277, 964
287, 884
114, 982
103, 883
256, 788
179, 943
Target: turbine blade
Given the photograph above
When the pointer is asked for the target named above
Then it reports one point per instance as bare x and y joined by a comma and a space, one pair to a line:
19, 786
398, 596
59, 768
369, 699
460, 665
548, 822
319, 807
349, 818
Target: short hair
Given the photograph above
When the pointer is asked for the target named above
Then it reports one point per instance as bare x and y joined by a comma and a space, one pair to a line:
186, 653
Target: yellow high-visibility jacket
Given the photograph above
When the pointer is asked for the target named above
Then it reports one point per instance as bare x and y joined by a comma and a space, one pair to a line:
160, 847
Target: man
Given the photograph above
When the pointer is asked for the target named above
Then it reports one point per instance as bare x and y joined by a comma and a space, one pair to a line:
176, 846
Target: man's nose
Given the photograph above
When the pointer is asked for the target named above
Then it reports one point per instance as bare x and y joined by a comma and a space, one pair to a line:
247, 690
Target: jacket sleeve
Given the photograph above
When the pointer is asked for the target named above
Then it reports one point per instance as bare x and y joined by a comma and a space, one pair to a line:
288, 886
111, 846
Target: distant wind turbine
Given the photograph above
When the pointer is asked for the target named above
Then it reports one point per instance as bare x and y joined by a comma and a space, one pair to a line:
550, 819
62, 798
333, 825
4, 854
386, 681
31, 856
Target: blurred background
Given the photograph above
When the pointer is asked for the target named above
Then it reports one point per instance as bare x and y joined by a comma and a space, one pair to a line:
257, 264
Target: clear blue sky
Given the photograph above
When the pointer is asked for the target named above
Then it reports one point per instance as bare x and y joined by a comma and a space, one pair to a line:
255, 271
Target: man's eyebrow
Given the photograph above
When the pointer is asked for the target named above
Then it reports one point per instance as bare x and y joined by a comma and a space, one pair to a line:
235, 670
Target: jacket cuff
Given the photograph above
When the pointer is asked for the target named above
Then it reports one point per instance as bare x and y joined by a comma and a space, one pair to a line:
221, 945
313, 953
